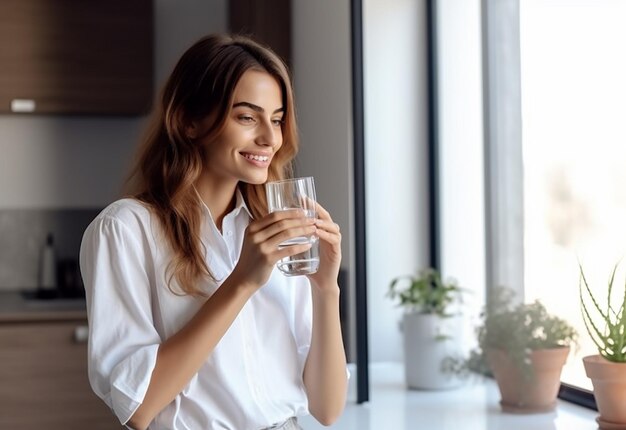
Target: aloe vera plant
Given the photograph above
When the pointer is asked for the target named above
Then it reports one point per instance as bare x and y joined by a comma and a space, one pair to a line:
610, 334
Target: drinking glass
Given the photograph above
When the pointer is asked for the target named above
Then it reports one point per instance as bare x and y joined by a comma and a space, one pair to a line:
296, 193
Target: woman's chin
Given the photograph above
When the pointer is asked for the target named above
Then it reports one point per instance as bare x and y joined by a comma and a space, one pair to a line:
256, 179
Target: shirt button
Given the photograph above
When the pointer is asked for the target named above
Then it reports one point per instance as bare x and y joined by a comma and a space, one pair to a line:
229, 233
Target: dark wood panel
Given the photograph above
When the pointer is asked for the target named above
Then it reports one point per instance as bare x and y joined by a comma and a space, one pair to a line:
268, 21
77, 57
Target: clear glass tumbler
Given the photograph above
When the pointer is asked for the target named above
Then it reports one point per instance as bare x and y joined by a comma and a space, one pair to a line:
296, 193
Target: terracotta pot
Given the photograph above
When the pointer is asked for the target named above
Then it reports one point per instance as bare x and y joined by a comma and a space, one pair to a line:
609, 389
533, 393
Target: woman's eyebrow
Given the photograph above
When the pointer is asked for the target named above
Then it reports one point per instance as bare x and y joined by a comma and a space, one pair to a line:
255, 107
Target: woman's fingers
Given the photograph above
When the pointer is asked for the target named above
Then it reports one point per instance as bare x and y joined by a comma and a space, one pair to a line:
330, 250
269, 232
328, 232
272, 221
274, 229
328, 226
305, 231
261, 250
284, 229
288, 251
323, 213
274, 217
327, 229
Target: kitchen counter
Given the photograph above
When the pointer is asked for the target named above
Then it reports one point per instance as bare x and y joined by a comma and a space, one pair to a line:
15, 307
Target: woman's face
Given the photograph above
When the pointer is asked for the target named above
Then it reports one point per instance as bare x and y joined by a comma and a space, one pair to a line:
252, 133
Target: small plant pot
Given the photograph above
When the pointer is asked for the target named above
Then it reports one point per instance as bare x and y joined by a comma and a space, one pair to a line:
530, 393
428, 340
609, 389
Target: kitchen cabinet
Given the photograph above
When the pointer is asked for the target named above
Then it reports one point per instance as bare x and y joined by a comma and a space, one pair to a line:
43, 375
268, 21
76, 57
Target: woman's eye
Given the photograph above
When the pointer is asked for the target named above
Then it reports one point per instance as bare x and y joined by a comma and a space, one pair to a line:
246, 118
277, 122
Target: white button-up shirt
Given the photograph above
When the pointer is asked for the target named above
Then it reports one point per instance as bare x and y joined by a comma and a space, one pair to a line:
251, 380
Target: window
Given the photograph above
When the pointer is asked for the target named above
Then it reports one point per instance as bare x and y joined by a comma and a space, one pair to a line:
553, 107
573, 99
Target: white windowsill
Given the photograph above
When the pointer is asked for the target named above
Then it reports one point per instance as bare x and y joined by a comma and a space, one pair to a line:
474, 406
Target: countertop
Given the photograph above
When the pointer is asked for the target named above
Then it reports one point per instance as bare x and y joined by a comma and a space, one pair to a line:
15, 307
473, 406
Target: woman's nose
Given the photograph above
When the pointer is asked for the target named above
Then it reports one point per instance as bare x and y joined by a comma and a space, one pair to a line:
269, 135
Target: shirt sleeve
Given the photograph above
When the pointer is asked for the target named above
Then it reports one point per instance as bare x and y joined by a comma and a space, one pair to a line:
123, 341
303, 320
302, 317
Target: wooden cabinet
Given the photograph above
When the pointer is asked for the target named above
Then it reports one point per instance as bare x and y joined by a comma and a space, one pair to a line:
268, 21
43, 378
76, 57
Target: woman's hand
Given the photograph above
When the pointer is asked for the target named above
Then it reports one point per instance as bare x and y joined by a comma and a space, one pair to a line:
260, 250
330, 251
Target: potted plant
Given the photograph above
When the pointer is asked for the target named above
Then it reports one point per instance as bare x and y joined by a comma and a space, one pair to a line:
524, 348
606, 326
431, 327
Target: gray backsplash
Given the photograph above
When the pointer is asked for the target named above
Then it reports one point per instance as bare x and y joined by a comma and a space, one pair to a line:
23, 234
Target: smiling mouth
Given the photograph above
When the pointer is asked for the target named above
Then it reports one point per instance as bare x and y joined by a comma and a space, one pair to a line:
261, 158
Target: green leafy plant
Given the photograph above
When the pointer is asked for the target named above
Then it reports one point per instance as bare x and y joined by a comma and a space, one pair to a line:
610, 335
522, 328
517, 329
425, 292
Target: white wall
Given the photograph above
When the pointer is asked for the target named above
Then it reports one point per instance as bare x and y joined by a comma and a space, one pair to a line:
461, 146
322, 80
321, 69
396, 163
73, 162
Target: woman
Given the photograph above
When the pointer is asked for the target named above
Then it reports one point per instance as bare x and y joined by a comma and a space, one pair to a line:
191, 326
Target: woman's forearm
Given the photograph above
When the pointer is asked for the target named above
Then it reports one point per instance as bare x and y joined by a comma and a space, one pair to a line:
180, 357
325, 376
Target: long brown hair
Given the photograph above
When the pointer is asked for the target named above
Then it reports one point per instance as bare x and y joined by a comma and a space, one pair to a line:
169, 162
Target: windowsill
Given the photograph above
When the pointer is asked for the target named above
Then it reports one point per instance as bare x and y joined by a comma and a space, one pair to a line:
473, 406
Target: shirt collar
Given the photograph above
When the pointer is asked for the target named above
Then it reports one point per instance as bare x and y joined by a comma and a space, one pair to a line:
240, 204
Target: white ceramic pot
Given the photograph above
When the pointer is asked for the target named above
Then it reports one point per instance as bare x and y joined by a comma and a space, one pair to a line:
428, 340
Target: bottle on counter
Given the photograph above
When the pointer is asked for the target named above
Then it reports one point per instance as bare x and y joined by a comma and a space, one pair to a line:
47, 273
